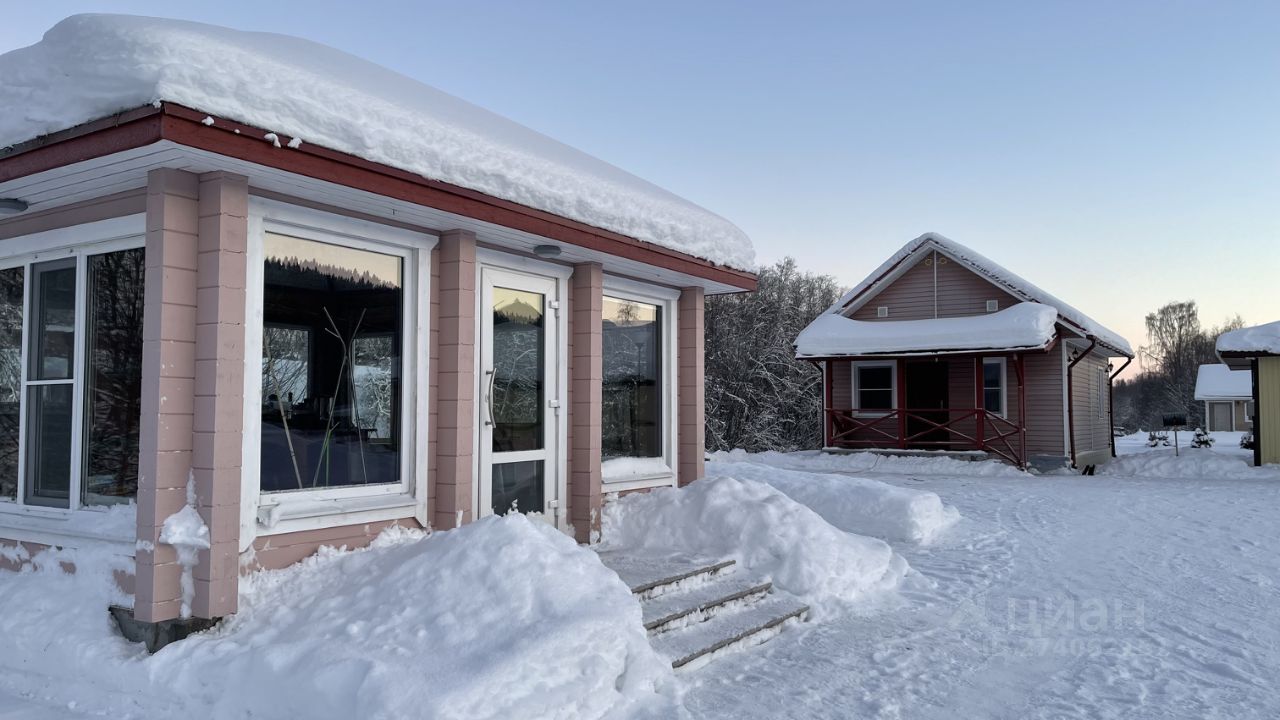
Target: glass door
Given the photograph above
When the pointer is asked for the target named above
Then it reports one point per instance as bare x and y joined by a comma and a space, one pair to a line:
518, 388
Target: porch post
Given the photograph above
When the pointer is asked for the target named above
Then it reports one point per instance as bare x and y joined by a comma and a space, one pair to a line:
586, 377
980, 432
168, 386
902, 402
219, 388
828, 401
1020, 367
456, 428
693, 429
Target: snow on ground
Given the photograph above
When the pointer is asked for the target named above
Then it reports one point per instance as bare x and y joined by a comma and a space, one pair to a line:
816, 461
1053, 597
91, 66
1226, 444
504, 617
766, 532
856, 505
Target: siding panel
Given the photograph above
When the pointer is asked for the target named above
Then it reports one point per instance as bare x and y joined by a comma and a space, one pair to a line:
959, 292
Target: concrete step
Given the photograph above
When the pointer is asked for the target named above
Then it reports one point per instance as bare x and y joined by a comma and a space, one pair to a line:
694, 645
688, 607
651, 577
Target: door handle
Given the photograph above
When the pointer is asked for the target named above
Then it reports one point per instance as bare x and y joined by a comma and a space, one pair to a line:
488, 397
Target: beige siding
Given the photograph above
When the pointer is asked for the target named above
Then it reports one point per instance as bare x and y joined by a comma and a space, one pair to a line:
1092, 417
1269, 408
1243, 421
842, 385
957, 292
1044, 403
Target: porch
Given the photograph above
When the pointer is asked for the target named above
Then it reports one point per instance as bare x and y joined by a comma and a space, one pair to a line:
972, 403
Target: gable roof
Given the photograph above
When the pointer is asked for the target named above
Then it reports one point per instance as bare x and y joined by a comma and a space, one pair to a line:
1216, 381
89, 67
1014, 284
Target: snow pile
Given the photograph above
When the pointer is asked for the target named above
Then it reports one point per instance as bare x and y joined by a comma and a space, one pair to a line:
856, 505
1027, 325
91, 66
1219, 381
1262, 339
505, 617
992, 271
1196, 464
766, 532
818, 461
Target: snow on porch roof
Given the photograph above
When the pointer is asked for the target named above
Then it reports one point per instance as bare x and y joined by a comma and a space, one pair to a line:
1219, 381
1256, 340
93, 66
1025, 326
993, 272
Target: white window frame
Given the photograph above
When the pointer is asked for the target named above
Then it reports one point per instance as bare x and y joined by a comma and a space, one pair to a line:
75, 524
893, 387
667, 299
263, 514
1004, 384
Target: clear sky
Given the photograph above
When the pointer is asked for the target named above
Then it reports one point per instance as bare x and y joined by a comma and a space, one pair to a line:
1119, 154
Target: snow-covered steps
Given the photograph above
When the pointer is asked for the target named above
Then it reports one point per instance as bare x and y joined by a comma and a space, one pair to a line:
694, 645
695, 607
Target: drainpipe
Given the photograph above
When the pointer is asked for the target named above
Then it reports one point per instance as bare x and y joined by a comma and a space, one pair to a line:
1071, 399
1111, 403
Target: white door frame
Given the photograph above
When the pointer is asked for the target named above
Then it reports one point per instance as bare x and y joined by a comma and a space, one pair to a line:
494, 268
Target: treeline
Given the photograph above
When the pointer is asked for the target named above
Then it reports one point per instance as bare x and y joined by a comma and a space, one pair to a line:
759, 397
1177, 346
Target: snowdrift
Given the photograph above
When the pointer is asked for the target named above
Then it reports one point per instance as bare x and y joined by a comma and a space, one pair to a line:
816, 461
505, 617
856, 505
765, 531
1191, 463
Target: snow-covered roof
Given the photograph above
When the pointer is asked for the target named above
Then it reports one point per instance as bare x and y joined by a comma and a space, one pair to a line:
92, 66
1214, 382
1259, 339
988, 269
1025, 326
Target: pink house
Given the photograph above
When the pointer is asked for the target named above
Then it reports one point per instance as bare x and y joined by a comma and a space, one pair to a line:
311, 298
942, 349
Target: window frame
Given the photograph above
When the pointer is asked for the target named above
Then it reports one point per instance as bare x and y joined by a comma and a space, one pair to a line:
855, 403
45, 524
275, 513
1004, 385
666, 299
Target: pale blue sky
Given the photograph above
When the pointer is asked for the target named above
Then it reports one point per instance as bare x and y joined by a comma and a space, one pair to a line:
1119, 154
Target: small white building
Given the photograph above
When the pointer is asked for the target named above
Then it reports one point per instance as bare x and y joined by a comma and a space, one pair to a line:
1227, 396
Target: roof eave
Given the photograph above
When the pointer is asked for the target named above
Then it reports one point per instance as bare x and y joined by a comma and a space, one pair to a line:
182, 125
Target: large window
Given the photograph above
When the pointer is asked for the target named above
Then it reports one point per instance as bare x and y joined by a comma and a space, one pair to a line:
631, 417
993, 385
332, 365
874, 385
70, 381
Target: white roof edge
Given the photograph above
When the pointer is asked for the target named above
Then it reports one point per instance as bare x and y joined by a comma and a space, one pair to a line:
1013, 283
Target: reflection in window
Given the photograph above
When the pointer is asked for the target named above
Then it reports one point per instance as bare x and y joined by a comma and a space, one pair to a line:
517, 392
993, 385
632, 395
875, 387
331, 359
114, 363
49, 404
11, 297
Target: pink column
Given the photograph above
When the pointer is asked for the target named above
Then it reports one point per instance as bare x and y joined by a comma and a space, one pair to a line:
693, 428
219, 387
168, 385
586, 376
456, 428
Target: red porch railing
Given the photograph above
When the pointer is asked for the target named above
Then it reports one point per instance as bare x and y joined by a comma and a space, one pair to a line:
938, 429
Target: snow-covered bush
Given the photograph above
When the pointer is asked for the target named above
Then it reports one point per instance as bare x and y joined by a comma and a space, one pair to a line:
1246, 441
1201, 439
1156, 439
857, 505
766, 532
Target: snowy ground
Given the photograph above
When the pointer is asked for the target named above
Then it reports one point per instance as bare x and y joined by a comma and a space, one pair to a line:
1114, 596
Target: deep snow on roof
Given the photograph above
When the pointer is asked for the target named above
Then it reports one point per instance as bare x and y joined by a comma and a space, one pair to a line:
997, 274
1023, 326
1260, 339
92, 66
1220, 381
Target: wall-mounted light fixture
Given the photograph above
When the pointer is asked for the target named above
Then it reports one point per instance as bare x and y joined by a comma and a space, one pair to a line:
547, 251
12, 206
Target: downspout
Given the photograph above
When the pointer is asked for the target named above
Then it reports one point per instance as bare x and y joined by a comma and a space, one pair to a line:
1071, 398
1111, 404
